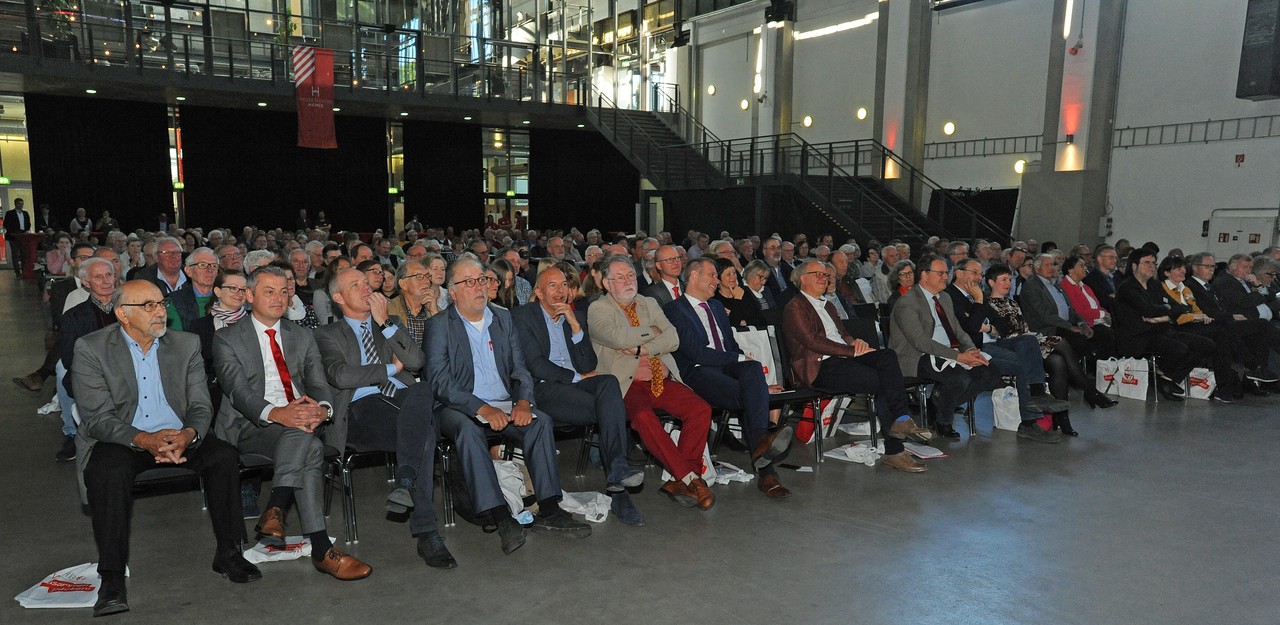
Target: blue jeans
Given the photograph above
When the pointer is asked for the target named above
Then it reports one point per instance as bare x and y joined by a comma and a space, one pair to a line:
1019, 356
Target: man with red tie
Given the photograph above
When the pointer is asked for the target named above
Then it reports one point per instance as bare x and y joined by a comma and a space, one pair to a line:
669, 265
275, 397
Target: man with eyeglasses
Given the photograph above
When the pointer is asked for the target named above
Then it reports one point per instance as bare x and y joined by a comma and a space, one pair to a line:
1258, 337
415, 304
229, 257
191, 301
931, 344
1103, 278
475, 364
779, 282
144, 404
824, 355
89, 315
667, 288
1047, 311
634, 341
1241, 291
275, 397
1017, 258
167, 273
1018, 356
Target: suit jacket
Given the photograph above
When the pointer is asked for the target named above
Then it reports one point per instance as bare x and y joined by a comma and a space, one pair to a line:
152, 274
1102, 288
807, 340
184, 301
1238, 298
107, 389
661, 291
911, 330
969, 314
340, 351
532, 327
17, 221
611, 331
693, 350
450, 368
1040, 311
82, 320
44, 223
58, 298
1208, 300
237, 358
780, 294
1133, 302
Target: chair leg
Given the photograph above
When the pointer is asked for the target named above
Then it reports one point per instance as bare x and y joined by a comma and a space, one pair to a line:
817, 433
584, 450
722, 426
1153, 379
875, 421
349, 503
204, 497
446, 488
970, 418
391, 467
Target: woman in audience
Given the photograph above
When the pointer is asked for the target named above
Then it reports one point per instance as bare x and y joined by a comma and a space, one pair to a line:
226, 308
1086, 305
298, 312
591, 289
436, 267
1187, 317
503, 292
57, 261
133, 254
748, 311
902, 276
730, 292
1061, 365
389, 288
373, 271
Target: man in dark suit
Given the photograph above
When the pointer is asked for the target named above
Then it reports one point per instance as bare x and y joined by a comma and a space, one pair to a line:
144, 404
1103, 278
275, 396
712, 364
45, 219
1256, 338
368, 358
931, 344
476, 367
188, 302
17, 220
669, 269
779, 282
80, 321
1238, 290
563, 363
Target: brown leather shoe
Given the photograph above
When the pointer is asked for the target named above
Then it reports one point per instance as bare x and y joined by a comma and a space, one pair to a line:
906, 429
30, 382
773, 447
271, 523
342, 566
903, 461
678, 491
702, 493
772, 487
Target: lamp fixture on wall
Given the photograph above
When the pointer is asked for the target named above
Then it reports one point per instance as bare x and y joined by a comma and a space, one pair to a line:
949, 128
861, 113
1071, 138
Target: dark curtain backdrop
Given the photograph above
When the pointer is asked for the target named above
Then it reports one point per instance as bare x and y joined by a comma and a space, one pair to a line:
444, 174
998, 205
244, 167
577, 178
734, 209
100, 155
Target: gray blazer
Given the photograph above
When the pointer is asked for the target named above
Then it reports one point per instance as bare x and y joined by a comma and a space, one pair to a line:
911, 330
107, 390
340, 352
449, 364
1039, 310
238, 360
611, 331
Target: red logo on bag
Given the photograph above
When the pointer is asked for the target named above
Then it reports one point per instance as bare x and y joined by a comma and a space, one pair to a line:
285, 548
1129, 379
59, 585
1110, 377
1201, 382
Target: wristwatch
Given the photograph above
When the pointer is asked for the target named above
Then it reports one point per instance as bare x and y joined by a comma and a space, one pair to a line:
196, 438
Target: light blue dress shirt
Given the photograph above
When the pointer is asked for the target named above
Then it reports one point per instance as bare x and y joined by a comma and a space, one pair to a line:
154, 412
484, 368
358, 326
559, 351
1064, 309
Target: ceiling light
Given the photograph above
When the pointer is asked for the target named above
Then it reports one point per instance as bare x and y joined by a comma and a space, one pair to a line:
404, 114
582, 125
90, 91
466, 118
262, 104
336, 109
525, 122
181, 98
949, 128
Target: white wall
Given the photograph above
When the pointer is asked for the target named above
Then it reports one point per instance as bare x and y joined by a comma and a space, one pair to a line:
835, 74
729, 65
1180, 65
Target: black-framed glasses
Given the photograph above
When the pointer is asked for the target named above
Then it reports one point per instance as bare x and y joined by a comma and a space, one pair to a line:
233, 289
820, 274
414, 276
148, 306
472, 282
203, 265
667, 260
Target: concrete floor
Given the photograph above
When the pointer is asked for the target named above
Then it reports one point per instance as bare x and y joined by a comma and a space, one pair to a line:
1153, 515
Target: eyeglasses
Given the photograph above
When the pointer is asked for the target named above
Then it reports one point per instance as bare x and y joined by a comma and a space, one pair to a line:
822, 275
414, 276
233, 289
376, 272
472, 282
169, 252
1206, 265
231, 255
623, 277
82, 257
667, 260
149, 305
203, 266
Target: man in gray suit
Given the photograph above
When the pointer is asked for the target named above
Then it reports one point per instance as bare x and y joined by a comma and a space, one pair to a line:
932, 344
1046, 310
143, 404
368, 358
275, 396
475, 365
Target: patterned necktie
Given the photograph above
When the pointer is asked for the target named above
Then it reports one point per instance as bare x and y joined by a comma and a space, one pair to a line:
371, 357
281, 367
946, 325
715, 332
655, 364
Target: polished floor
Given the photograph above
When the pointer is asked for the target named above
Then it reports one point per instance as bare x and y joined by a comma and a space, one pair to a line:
1156, 514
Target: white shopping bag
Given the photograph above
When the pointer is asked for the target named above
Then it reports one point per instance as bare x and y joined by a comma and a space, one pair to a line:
1006, 415
755, 344
1105, 374
72, 587
1133, 376
511, 480
708, 468
294, 547
1201, 383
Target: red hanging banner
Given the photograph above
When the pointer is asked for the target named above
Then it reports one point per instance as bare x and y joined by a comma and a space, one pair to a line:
313, 80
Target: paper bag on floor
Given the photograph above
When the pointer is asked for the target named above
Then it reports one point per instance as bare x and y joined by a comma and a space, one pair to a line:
294, 547
72, 587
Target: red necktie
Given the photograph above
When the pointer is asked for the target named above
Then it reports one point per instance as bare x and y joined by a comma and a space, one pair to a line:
281, 367
675, 292
946, 325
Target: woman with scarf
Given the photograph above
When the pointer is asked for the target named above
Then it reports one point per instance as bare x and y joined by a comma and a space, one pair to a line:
1187, 317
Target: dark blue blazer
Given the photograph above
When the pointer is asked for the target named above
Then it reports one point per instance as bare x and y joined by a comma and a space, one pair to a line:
693, 349
532, 327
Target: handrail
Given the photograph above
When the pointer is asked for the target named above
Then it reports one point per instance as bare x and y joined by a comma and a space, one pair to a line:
652, 158
686, 118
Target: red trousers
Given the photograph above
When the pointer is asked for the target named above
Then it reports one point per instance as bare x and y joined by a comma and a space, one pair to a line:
691, 411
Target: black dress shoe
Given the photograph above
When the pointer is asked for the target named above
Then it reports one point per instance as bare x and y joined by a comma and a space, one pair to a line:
112, 596
510, 532
1096, 399
434, 553
946, 431
232, 565
1062, 422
